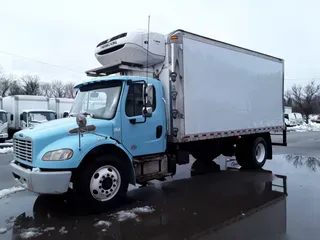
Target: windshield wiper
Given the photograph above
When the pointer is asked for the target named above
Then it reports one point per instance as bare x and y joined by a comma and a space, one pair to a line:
87, 114
84, 113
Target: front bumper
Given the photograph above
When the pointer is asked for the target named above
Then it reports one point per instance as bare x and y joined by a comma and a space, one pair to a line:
41, 182
4, 135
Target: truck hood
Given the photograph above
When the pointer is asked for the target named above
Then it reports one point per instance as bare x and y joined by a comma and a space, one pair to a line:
60, 128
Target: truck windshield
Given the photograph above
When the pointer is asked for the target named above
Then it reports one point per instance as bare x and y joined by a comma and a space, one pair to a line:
3, 117
38, 117
98, 101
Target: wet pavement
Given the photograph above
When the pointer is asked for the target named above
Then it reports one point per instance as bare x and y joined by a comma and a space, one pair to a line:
183, 207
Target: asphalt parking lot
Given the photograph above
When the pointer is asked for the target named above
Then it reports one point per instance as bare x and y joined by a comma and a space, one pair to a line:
178, 208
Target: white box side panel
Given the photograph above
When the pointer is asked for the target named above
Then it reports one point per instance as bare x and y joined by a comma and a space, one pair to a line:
227, 90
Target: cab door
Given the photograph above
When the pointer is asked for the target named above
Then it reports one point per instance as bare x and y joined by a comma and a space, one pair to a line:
140, 135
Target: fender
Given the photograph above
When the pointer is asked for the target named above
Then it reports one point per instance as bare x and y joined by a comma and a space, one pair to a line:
116, 149
90, 144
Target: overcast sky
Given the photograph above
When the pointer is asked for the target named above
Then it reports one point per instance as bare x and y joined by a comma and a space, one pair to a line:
65, 32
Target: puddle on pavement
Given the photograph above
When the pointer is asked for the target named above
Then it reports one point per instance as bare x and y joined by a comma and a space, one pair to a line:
173, 209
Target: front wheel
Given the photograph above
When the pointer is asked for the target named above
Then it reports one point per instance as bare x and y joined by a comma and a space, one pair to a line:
101, 183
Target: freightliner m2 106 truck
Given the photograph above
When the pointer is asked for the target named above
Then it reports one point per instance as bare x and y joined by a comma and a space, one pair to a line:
190, 95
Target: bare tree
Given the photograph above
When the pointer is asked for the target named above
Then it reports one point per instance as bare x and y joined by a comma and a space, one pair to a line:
5, 82
31, 84
16, 88
304, 98
288, 98
57, 89
46, 89
70, 91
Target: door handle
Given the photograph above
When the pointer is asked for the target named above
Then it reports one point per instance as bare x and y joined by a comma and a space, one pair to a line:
158, 131
133, 120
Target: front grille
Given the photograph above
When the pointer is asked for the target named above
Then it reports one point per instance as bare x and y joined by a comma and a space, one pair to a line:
22, 149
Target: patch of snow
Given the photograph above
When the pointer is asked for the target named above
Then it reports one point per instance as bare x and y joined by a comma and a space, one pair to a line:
5, 192
311, 126
30, 232
103, 223
125, 215
133, 213
3, 230
146, 209
35, 169
63, 230
49, 229
6, 150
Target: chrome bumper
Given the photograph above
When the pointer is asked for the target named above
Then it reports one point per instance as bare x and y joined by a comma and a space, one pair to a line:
41, 182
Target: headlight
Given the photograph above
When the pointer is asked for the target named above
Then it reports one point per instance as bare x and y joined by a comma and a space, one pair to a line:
57, 155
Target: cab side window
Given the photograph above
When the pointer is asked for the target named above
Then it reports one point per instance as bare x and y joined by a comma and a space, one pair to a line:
134, 101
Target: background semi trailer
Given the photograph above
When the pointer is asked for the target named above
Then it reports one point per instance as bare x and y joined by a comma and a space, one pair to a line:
190, 95
27, 111
3, 123
61, 106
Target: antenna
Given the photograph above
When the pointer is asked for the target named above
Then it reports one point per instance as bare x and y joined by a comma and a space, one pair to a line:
148, 46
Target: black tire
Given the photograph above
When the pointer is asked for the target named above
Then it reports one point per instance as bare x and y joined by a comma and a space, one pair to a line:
84, 195
246, 153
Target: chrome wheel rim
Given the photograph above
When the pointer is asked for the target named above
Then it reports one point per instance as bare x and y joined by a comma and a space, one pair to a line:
105, 183
260, 152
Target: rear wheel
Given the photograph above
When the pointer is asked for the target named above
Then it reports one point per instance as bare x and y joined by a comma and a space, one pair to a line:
251, 152
102, 183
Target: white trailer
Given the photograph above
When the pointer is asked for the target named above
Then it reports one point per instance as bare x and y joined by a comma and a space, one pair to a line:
27, 110
287, 110
3, 123
61, 106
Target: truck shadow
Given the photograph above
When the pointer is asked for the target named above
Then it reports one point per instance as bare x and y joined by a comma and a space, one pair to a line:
161, 210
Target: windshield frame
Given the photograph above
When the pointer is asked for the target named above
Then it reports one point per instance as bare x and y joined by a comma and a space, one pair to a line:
100, 85
40, 112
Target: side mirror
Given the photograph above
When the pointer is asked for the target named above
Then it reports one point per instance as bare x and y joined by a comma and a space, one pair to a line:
11, 117
21, 117
148, 91
81, 121
147, 111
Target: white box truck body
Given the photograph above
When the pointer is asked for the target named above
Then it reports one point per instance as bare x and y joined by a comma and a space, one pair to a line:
223, 89
61, 106
27, 111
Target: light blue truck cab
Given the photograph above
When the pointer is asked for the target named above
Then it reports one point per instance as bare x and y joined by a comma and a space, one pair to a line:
53, 157
139, 125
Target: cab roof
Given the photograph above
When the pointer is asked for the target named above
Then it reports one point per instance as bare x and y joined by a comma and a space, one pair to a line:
110, 78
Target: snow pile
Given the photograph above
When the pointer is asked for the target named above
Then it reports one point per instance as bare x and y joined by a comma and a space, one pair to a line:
63, 230
8, 191
6, 150
311, 126
30, 232
133, 213
49, 229
103, 224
